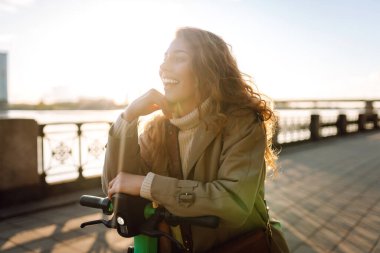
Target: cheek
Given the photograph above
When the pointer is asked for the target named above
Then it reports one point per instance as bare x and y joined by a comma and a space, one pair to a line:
184, 68
190, 90
188, 74
190, 80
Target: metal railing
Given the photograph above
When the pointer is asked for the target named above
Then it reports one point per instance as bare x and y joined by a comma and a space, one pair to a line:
316, 127
75, 151
71, 151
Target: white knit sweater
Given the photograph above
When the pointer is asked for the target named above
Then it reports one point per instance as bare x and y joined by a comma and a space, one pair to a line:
188, 125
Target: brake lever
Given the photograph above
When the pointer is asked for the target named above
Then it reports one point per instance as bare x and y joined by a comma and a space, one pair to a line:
107, 223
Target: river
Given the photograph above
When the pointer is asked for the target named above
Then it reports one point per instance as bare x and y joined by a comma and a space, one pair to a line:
54, 116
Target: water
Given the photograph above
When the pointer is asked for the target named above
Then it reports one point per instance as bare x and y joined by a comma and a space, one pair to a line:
53, 116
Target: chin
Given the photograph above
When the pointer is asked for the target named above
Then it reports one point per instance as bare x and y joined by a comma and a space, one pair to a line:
171, 98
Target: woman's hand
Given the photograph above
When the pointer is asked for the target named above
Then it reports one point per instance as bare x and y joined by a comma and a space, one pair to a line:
151, 101
125, 183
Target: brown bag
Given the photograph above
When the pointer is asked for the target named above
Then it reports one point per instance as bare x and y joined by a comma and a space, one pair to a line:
254, 241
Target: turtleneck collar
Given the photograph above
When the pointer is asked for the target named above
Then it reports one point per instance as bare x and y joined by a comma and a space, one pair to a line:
191, 119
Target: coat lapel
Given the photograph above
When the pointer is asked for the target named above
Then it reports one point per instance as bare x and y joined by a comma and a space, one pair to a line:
175, 168
202, 139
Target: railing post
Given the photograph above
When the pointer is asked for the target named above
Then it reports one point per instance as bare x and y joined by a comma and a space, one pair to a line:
314, 127
361, 122
375, 121
276, 132
19, 180
80, 167
341, 124
369, 107
41, 134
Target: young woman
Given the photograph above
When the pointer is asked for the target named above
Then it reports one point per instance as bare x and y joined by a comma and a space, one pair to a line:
206, 154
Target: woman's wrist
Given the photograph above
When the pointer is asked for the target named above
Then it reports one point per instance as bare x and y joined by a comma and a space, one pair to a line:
128, 115
138, 183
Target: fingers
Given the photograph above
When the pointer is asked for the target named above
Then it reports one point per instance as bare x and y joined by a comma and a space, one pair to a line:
112, 185
110, 193
125, 183
155, 107
116, 184
111, 182
149, 102
111, 190
165, 106
116, 188
157, 101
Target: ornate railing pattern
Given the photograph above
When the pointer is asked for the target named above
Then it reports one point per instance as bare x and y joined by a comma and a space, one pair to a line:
69, 151
74, 151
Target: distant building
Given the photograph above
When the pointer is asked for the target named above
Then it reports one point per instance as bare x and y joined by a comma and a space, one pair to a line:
3, 81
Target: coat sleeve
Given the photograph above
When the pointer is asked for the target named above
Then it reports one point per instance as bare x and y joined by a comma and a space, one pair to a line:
122, 154
232, 195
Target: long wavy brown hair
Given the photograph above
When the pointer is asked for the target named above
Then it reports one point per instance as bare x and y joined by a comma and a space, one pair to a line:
229, 90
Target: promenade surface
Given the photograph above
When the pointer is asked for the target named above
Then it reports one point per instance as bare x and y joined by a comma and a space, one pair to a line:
327, 198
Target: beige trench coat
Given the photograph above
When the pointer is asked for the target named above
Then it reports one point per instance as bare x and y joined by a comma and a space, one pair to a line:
228, 171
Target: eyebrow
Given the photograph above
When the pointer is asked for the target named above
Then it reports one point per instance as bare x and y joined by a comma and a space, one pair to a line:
177, 51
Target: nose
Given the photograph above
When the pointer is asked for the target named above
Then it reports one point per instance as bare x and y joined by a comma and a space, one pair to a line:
163, 67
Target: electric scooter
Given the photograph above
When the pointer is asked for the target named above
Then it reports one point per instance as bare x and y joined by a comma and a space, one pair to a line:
139, 218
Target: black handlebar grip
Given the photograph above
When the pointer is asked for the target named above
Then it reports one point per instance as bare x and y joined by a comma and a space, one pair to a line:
97, 202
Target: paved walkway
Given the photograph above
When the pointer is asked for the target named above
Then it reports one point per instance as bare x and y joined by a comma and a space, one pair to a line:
327, 198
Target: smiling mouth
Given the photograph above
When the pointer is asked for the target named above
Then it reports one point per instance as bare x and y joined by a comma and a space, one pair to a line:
168, 81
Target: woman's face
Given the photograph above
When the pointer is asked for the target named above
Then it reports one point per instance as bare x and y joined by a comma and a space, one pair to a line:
178, 77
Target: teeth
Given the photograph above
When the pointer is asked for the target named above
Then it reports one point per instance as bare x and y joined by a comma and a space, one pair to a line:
167, 80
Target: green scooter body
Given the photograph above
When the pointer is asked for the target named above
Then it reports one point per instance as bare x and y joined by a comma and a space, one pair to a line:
143, 243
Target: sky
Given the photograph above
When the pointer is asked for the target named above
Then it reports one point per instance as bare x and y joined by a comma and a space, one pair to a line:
62, 50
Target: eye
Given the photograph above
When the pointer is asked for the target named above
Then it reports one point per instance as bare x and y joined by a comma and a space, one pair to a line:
179, 58
175, 58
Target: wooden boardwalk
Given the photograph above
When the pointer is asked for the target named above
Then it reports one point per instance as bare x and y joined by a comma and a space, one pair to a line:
327, 198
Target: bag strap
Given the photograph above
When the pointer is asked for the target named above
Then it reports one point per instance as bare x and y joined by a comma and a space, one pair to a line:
268, 230
187, 237
175, 171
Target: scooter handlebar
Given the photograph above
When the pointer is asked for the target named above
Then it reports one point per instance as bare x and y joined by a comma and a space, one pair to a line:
97, 202
106, 205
